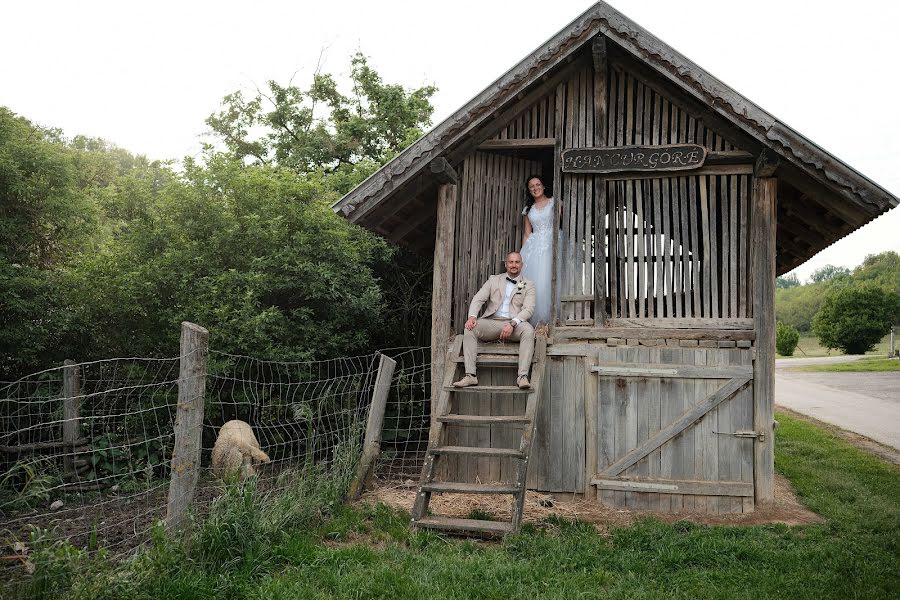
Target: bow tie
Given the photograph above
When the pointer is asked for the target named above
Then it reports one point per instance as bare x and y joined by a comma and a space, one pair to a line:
511, 280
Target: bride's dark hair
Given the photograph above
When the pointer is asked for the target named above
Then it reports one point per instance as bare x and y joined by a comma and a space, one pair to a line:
529, 199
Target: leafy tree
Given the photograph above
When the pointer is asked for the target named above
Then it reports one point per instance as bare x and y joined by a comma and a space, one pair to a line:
786, 338
828, 272
855, 318
787, 282
318, 128
882, 269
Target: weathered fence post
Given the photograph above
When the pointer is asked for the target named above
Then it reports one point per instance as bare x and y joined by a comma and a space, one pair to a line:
188, 422
893, 353
372, 443
71, 421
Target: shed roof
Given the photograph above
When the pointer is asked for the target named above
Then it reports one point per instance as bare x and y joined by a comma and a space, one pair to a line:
823, 200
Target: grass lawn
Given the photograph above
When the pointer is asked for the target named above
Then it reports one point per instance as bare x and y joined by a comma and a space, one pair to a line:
863, 365
809, 347
371, 553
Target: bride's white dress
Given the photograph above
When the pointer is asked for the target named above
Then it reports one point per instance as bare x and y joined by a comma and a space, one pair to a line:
537, 254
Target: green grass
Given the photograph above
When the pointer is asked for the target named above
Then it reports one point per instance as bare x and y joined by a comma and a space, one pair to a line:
809, 347
863, 365
372, 553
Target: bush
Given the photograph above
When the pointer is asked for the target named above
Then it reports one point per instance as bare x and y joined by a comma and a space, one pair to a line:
786, 338
855, 318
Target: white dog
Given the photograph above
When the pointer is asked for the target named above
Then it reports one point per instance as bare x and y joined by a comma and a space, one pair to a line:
236, 451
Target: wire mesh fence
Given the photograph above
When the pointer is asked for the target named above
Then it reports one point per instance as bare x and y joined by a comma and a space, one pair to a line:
103, 485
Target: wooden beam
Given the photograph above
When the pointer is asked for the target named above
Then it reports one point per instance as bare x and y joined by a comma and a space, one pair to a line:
682, 323
650, 333
442, 287
785, 240
674, 486
514, 144
607, 369
767, 163
728, 157
442, 171
762, 260
849, 212
796, 229
598, 53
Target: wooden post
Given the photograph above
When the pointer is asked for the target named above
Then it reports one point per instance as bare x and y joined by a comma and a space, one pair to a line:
601, 83
442, 287
765, 190
372, 443
892, 343
188, 422
71, 422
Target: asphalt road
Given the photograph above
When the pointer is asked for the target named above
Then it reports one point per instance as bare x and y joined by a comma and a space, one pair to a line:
865, 403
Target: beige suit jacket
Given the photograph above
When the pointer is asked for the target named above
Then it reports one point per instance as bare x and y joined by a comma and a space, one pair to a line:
490, 296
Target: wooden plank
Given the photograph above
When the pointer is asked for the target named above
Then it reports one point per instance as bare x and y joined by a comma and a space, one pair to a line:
729, 446
672, 486
683, 422
714, 272
763, 256
513, 144
374, 426
574, 425
710, 439
601, 243
744, 303
630, 245
744, 421
683, 323
640, 240
733, 236
725, 247
691, 395
643, 400
706, 277
622, 369
606, 442
477, 451
630, 421
468, 488
483, 420
466, 525
701, 433
671, 405
442, 286
71, 405
692, 200
591, 425
660, 220
646, 333
557, 417
614, 249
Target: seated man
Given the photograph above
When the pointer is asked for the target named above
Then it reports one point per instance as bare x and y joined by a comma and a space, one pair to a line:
508, 301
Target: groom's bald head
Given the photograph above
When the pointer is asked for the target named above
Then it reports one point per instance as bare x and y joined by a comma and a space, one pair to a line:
514, 264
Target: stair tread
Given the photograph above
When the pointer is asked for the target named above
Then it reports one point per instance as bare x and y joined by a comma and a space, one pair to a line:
490, 389
471, 488
501, 452
494, 359
485, 419
453, 524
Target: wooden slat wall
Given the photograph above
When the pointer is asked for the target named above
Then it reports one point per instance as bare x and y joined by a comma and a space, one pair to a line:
678, 247
535, 122
488, 222
631, 409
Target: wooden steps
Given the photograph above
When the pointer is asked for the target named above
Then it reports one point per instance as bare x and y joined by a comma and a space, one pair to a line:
495, 355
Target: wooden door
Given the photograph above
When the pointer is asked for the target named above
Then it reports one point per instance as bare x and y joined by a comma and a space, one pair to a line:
674, 429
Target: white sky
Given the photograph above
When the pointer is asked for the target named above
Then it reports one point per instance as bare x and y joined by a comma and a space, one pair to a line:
146, 75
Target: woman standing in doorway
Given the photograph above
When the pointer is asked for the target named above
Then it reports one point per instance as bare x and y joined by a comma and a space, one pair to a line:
541, 215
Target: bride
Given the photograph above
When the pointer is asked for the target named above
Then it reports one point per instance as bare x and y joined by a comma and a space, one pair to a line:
541, 215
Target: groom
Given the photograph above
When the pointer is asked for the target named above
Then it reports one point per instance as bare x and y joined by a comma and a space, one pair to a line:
508, 301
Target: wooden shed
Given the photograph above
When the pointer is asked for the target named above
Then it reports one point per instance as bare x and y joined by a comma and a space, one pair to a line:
682, 201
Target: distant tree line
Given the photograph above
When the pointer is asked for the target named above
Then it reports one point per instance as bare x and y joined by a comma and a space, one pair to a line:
846, 309
103, 252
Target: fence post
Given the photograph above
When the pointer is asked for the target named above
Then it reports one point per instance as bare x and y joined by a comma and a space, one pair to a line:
892, 342
188, 422
71, 421
372, 443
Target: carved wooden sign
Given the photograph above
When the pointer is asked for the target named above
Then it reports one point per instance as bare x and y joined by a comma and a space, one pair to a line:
674, 157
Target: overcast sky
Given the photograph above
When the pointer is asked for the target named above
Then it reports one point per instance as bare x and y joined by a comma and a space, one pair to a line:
146, 75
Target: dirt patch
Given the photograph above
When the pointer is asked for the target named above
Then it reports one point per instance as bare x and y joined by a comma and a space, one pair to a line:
787, 508
883, 452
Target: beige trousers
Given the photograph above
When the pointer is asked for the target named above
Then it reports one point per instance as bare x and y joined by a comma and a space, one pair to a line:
488, 330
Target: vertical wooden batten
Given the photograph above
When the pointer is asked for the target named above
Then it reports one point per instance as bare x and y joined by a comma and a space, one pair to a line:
442, 286
601, 110
765, 190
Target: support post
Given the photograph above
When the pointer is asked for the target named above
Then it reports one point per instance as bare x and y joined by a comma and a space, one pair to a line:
765, 190
188, 422
601, 109
71, 420
372, 444
893, 352
442, 288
